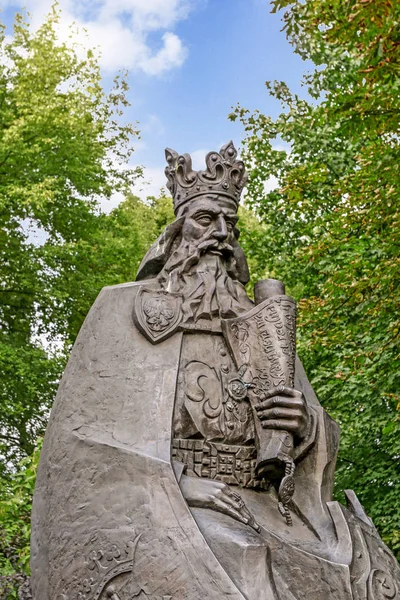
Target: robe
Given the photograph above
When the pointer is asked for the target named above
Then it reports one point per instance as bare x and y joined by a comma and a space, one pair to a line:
109, 519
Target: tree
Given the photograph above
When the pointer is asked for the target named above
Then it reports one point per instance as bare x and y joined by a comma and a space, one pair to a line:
62, 146
333, 227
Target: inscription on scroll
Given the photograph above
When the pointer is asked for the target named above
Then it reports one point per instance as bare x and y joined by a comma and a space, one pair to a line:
263, 345
265, 341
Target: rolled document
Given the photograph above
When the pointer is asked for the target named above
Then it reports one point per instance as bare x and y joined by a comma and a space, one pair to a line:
263, 344
276, 325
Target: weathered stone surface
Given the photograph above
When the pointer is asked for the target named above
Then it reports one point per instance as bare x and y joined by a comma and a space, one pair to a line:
187, 456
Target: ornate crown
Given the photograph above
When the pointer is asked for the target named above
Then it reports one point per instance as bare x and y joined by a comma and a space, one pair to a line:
224, 175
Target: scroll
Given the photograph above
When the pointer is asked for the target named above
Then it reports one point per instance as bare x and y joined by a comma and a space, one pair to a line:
263, 345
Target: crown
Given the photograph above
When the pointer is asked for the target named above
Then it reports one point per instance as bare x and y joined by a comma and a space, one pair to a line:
224, 175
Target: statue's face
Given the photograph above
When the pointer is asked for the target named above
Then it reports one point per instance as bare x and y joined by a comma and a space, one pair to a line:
203, 266
211, 218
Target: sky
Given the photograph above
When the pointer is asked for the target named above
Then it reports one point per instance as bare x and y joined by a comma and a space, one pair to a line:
189, 63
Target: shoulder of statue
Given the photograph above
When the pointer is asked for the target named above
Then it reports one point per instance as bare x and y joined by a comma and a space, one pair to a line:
129, 284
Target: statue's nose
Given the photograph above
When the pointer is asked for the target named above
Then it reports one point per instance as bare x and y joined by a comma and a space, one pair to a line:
221, 230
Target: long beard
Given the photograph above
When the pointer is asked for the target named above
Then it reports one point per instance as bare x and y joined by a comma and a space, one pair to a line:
206, 281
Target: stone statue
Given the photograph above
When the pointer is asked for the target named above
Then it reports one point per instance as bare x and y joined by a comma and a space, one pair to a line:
187, 456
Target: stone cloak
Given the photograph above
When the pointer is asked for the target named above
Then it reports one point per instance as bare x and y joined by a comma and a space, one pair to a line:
107, 504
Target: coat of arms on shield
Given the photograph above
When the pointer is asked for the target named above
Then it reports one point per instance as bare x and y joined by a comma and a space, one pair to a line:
157, 313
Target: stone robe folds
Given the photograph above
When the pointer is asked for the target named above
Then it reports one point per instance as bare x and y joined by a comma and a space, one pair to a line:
109, 518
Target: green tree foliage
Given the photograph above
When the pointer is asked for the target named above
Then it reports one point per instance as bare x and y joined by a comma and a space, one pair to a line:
62, 146
109, 254
15, 528
333, 227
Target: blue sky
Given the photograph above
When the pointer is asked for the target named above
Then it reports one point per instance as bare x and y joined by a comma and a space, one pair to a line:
189, 62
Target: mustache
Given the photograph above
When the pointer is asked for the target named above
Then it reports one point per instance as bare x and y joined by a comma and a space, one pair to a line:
188, 255
212, 244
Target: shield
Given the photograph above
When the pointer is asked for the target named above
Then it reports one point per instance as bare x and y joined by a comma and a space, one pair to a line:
157, 313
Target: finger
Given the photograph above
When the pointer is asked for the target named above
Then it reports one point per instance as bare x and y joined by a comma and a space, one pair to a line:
290, 426
280, 413
241, 507
230, 496
236, 502
280, 401
226, 508
281, 389
218, 485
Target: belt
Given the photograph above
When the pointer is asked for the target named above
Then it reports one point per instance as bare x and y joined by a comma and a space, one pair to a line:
234, 465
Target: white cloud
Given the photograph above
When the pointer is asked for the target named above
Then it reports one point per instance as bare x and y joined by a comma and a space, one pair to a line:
146, 15
153, 181
271, 184
171, 55
108, 204
121, 30
35, 234
153, 125
151, 184
198, 159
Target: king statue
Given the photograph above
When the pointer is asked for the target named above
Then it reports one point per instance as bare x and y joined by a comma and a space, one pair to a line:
187, 456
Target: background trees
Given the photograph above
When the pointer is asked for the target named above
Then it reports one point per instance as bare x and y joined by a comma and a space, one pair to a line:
333, 227
62, 145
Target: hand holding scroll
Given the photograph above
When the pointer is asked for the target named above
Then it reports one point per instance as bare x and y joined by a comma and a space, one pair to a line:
284, 408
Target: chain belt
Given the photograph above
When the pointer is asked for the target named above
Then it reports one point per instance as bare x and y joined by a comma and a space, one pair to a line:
234, 465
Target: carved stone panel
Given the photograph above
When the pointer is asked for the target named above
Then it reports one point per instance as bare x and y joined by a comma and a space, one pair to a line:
264, 339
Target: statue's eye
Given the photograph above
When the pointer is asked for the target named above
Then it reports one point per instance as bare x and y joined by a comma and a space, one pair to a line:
229, 225
204, 219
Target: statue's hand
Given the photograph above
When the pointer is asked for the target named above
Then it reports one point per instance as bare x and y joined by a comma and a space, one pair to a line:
208, 493
284, 408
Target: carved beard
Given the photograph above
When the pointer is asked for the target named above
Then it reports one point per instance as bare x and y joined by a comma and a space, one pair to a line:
205, 275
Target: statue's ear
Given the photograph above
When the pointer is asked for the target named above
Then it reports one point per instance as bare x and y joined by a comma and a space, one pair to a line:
160, 251
243, 273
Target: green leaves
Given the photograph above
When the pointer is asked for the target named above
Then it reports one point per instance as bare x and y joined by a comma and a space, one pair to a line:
62, 145
15, 516
333, 228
